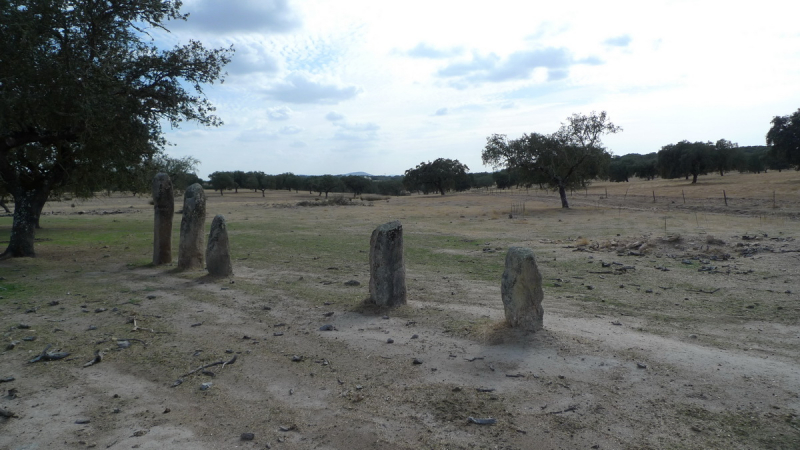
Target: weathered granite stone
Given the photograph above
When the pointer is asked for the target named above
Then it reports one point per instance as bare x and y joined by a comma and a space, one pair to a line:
387, 280
190, 248
218, 252
521, 290
164, 206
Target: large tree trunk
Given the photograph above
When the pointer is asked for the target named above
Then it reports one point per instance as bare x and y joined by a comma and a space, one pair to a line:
694, 178
27, 206
562, 191
3, 205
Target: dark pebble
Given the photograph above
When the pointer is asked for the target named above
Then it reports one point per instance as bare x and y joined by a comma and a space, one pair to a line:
248, 436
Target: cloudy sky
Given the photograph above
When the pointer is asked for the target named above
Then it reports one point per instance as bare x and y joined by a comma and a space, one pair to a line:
319, 86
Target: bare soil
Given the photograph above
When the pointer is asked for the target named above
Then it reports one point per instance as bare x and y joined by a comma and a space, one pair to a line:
666, 326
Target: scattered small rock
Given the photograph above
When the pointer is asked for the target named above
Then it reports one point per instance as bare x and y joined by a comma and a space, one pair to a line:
485, 421
6, 413
414, 336
247, 436
206, 386
417, 361
82, 421
390, 341
327, 327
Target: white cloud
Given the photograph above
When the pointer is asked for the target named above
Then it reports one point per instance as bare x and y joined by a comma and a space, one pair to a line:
424, 50
517, 66
440, 112
361, 132
367, 126
280, 113
333, 116
298, 88
255, 135
250, 58
618, 41
291, 129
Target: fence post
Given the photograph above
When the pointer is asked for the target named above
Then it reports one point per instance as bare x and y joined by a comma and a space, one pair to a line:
726, 197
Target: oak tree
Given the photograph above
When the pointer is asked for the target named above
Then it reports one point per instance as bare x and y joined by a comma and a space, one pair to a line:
84, 92
438, 176
784, 139
567, 159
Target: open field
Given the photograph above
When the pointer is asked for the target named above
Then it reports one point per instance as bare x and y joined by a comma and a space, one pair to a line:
667, 324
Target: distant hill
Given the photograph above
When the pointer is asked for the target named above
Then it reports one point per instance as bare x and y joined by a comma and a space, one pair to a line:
361, 174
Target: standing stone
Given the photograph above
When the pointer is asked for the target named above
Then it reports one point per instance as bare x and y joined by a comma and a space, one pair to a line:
387, 270
218, 252
164, 205
190, 248
521, 290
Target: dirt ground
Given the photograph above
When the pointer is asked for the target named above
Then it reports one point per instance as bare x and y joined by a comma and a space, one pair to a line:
666, 326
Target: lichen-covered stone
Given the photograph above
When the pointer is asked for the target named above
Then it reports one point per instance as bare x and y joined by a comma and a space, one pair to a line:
521, 290
218, 253
164, 208
387, 280
190, 249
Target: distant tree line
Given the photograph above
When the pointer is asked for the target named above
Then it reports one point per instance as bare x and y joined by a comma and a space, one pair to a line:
355, 185
690, 159
324, 184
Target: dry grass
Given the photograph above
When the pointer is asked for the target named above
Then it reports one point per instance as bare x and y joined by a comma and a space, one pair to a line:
785, 185
291, 263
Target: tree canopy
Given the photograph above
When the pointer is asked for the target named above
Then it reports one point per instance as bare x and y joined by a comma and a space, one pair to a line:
784, 138
84, 92
440, 176
567, 159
